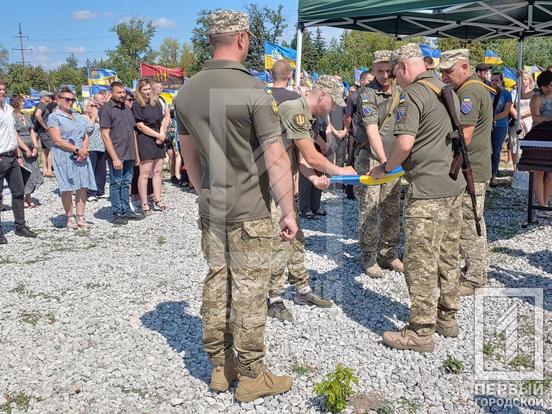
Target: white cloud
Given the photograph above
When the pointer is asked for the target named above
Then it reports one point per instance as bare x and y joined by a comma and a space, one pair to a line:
41, 50
76, 49
163, 23
84, 15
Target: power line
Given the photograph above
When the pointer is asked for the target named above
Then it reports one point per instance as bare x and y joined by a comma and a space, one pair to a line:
21, 48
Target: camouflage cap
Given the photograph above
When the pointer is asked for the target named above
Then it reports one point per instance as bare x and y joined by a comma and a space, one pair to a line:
331, 86
382, 56
228, 21
450, 57
410, 50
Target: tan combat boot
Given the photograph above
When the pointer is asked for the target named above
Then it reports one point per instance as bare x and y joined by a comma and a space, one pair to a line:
408, 339
448, 329
466, 290
396, 265
374, 271
266, 383
223, 375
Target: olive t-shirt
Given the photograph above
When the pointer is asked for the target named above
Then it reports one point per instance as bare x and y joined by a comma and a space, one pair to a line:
476, 109
228, 113
421, 114
297, 123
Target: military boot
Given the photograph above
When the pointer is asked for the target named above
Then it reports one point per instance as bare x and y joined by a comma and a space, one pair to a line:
466, 290
266, 383
312, 299
279, 311
3, 239
394, 264
374, 271
448, 329
223, 375
409, 339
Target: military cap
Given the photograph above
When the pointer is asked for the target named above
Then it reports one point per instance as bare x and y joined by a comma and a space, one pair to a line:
410, 50
228, 21
450, 57
331, 86
382, 56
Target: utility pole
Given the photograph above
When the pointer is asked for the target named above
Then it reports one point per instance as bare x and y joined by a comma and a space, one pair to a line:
21, 48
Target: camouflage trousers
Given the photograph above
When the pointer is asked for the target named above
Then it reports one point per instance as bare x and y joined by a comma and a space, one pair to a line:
432, 231
473, 249
287, 254
234, 292
379, 211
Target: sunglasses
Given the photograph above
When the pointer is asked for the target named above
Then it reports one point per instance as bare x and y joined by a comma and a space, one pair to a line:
68, 100
130, 99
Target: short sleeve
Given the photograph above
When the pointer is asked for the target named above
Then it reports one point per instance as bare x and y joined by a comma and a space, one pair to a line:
105, 118
180, 127
53, 121
407, 115
138, 112
470, 106
351, 104
296, 125
368, 107
264, 113
508, 97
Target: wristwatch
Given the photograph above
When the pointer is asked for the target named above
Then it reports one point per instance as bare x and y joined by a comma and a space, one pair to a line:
383, 166
76, 151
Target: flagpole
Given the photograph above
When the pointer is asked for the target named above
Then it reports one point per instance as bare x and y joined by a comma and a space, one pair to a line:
299, 53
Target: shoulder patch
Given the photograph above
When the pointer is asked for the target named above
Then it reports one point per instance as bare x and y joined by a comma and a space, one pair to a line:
401, 112
300, 120
268, 90
366, 110
466, 105
401, 99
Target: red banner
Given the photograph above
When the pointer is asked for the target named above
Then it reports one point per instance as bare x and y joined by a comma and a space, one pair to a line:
171, 78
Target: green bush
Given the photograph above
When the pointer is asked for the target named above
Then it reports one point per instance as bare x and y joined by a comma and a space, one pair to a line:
337, 388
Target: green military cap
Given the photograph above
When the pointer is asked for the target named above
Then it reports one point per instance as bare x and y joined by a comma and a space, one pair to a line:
410, 50
450, 57
331, 86
382, 56
228, 21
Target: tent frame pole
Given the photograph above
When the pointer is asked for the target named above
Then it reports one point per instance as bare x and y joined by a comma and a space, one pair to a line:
519, 87
299, 54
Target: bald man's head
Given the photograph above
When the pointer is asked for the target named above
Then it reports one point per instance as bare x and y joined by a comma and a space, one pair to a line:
281, 70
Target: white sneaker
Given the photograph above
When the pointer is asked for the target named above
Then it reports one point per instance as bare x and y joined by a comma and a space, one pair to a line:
104, 195
92, 198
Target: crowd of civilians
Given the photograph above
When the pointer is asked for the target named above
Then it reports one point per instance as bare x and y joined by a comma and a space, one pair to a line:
128, 135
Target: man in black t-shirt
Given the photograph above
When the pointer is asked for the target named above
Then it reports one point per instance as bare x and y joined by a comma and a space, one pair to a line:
40, 117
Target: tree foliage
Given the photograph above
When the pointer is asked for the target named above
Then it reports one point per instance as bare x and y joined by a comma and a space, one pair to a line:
266, 24
69, 74
134, 47
19, 79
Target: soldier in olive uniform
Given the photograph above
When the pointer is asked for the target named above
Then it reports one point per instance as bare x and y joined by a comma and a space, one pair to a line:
476, 117
379, 205
231, 138
433, 215
297, 124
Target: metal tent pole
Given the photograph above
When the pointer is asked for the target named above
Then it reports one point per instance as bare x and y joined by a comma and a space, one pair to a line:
299, 53
515, 146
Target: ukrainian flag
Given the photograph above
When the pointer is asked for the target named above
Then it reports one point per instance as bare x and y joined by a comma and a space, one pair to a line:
274, 52
510, 78
102, 77
432, 53
491, 58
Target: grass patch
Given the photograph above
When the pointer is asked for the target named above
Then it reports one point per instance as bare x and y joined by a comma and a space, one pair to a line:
409, 406
302, 369
488, 348
534, 388
385, 408
19, 289
82, 232
6, 260
29, 317
129, 390
37, 259
162, 240
521, 360
93, 285
452, 365
21, 401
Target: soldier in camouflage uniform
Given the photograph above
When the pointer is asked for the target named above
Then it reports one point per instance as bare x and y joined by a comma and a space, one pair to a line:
379, 205
476, 117
231, 135
296, 117
432, 216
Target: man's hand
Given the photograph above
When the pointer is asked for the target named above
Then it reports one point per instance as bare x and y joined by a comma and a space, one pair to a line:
349, 170
322, 182
377, 172
34, 152
288, 227
28, 153
137, 162
117, 164
341, 134
21, 162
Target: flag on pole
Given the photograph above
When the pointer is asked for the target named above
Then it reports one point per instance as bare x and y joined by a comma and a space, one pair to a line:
274, 52
358, 72
491, 58
428, 51
171, 78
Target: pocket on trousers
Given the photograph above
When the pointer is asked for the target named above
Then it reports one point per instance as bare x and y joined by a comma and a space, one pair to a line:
263, 228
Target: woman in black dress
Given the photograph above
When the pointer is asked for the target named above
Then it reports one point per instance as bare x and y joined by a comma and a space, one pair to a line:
151, 131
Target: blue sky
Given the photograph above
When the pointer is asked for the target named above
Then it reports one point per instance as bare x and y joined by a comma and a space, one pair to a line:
60, 27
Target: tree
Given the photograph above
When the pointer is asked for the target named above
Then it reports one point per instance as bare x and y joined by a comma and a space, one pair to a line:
319, 44
200, 40
68, 74
187, 60
134, 47
4, 59
19, 78
477, 49
169, 53
266, 24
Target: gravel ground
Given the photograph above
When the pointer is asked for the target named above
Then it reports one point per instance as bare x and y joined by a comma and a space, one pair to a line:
107, 320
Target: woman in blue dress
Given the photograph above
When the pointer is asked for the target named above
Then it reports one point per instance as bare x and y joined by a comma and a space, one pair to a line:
500, 128
70, 158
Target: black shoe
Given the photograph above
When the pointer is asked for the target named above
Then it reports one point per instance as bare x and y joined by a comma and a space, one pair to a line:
132, 215
174, 180
3, 239
25, 232
279, 311
120, 220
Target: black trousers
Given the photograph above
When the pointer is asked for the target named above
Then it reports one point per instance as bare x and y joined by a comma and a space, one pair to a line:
98, 159
11, 171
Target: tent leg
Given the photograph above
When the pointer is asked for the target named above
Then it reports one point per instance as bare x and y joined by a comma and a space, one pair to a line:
299, 53
515, 146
